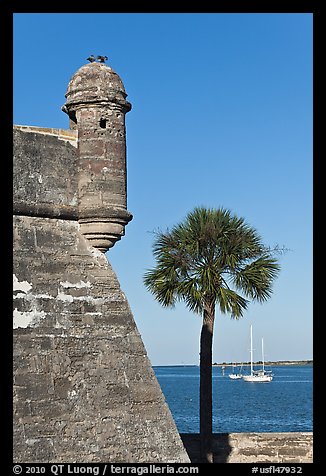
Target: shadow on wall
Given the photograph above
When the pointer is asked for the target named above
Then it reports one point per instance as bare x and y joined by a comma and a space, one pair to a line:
221, 447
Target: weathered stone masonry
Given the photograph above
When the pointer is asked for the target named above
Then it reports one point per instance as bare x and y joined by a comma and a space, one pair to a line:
84, 389
290, 448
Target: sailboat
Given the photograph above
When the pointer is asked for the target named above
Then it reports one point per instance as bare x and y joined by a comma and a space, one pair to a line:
261, 375
236, 375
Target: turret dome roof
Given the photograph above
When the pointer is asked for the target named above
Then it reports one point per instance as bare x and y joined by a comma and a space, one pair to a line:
96, 82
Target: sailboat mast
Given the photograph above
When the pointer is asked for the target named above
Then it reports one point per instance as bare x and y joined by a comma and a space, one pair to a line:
262, 350
251, 356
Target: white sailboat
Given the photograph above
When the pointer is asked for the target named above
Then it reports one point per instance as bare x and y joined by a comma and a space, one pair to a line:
261, 375
236, 375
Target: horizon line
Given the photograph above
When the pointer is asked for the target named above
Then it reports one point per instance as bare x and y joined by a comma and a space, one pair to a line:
267, 362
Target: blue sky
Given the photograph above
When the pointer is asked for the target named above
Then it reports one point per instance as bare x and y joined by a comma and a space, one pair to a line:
222, 116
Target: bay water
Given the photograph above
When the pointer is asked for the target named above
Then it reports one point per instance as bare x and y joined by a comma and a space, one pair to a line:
282, 405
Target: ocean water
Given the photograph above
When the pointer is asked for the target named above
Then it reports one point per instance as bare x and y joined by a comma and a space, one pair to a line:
283, 405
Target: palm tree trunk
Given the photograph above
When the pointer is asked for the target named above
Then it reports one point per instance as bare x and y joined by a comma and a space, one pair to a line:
206, 414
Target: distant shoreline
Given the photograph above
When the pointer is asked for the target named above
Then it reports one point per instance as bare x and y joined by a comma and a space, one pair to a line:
244, 364
259, 362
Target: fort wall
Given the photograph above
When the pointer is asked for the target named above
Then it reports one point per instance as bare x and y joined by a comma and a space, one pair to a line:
291, 448
84, 388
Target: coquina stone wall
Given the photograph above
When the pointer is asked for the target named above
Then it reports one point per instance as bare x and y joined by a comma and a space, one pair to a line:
291, 448
84, 388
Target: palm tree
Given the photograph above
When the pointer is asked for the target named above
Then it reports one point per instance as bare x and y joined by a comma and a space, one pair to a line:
205, 261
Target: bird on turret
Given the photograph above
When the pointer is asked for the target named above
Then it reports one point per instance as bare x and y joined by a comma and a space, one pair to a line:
91, 58
102, 59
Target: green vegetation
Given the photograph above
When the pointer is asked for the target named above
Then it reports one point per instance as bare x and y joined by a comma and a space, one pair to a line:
259, 362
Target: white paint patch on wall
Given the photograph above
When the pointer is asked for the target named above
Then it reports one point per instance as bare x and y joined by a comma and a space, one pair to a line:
64, 297
24, 286
32, 297
69, 298
78, 285
27, 319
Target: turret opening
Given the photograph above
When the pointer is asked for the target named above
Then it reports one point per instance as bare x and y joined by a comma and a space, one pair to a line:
73, 120
103, 123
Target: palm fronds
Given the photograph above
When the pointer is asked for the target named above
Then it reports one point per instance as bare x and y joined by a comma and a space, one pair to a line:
199, 258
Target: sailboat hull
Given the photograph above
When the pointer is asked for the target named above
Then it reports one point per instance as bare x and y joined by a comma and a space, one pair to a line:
257, 378
235, 376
